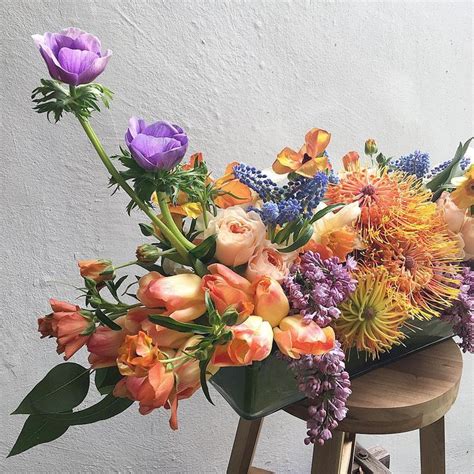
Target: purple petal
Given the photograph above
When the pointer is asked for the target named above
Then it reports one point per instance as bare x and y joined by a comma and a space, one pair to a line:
135, 126
75, 60
150, 146
95, 69
162, 129
72, 32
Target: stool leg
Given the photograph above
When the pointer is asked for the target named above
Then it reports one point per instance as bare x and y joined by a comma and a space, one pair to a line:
336, 456
243, 449
432, 448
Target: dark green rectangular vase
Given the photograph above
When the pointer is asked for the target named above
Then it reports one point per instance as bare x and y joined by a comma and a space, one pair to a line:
268, 386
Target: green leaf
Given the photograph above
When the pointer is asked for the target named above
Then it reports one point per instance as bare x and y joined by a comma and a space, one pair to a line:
106, 378
63, 388
38, 429
321, 213
203, 372
146, 230
108, 407
171, 323
199, 267
284, 233
106, 321
300, 241
444, 176
206, 249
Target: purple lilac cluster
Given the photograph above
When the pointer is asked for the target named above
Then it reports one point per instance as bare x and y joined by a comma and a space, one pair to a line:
416, 163
315, 287
461, 314
463, 164
325, 382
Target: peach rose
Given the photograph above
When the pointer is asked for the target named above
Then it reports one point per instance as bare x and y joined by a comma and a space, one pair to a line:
104, 345
179, 296
295, 337
238, 233
268, 261
459, 223
97, 270
68, 325
228, 289
252, 341
271, 302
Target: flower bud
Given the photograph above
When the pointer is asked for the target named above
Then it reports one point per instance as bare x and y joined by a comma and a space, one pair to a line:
371, 147
147, 253
97, 270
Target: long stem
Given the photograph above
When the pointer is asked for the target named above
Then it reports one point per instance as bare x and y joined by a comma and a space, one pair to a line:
169, 221
173, 239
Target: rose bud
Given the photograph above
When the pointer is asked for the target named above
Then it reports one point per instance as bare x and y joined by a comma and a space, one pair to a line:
370, 147
295, 337
97, 270
72, 55
159, 146
104, 344
252, 341
179, 296
271, 302
148, 253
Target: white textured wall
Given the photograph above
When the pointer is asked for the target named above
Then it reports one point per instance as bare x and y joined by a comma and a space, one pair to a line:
244, 79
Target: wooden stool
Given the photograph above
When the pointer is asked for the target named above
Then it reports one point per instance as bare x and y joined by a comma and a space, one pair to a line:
412, 393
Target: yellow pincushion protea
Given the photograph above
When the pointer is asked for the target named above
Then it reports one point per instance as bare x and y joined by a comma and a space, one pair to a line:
372, 317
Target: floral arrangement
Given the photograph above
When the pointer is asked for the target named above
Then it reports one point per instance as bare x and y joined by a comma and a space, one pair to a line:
298, 262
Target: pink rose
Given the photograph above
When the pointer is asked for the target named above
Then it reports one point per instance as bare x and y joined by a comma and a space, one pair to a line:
268, 261
238, 233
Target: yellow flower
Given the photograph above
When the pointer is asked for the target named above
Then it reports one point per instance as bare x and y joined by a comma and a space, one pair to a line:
372, 318
463, 195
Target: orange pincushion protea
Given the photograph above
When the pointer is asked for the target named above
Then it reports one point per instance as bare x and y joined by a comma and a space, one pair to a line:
372, 317
376, 194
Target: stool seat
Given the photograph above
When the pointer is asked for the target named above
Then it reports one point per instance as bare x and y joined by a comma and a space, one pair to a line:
405, 395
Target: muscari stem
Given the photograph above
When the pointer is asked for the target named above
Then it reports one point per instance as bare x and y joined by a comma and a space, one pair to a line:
172, 238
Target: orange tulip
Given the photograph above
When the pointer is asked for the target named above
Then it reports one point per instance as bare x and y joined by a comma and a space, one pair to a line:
252, 341
271, 302
228, 289
153, 391
104, 345
137, 355
179, 296
309, 159
68, 325
351, 161
231, 191
137, 320
97, 270
295, 337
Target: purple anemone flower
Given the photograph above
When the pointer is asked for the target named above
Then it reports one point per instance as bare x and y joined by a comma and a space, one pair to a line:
72, 55
159, 146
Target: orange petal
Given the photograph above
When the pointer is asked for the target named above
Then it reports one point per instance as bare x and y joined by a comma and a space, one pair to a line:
316, 141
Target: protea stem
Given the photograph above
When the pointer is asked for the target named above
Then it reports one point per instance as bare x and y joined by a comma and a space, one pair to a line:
175, 240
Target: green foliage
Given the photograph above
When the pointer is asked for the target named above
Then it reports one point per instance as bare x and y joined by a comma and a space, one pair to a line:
300, 239
443, 178
37, 429
63, 388
192, 181
206, 249
171, 323
321, 213
106, 378
52, 98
